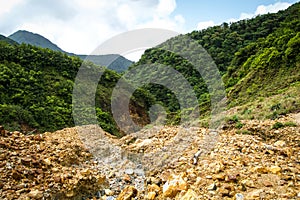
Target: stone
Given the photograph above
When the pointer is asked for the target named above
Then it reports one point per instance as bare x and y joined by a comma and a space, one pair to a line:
126, 178
212, 187
35, 194
151, 195
108, 192
173, 186
274, 169
129, 171
239, 196
223, 192
190, 195
255, 194
267, 183
153, 188
280, 143
219, 177
127, 193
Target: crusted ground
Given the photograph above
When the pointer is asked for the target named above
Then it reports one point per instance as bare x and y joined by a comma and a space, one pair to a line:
259, 160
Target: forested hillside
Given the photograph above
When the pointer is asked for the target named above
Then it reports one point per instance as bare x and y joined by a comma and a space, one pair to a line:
36, 89
257, 57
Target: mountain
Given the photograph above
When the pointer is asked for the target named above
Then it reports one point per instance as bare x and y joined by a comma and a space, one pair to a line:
34, 39
258, 59
119, 63
8, 40
111, 61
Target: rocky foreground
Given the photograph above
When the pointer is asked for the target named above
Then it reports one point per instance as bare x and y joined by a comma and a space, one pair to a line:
257, 160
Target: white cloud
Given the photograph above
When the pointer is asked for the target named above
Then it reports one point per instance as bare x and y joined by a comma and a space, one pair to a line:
273, 8
262, 9
80, 26
6, 6
206, 24
165, 7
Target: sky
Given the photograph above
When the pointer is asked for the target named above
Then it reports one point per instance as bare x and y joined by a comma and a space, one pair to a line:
79, 26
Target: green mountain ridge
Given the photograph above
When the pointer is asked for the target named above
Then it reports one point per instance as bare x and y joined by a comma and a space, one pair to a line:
113, 62
34, 39
8, 40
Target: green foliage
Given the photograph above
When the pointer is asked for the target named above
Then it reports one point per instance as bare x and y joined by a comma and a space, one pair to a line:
36, 89
257, 57
278, 125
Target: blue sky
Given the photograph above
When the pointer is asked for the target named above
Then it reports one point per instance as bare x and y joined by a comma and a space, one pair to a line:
79, 26
218, 11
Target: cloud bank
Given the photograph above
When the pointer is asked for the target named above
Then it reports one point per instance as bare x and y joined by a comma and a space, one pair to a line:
80, 26
260, 10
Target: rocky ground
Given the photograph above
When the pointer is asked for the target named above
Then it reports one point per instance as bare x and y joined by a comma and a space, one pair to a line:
257, 160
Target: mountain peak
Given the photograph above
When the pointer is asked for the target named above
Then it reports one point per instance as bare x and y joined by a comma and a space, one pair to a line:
23, 36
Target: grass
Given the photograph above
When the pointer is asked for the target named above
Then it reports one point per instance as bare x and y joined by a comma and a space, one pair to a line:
269, 107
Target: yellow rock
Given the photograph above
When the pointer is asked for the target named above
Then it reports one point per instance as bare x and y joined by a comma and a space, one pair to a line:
153, 188
190, 195
70, 193
274, 169
151, 195
280, 143
35, 194
128, 193
173, 186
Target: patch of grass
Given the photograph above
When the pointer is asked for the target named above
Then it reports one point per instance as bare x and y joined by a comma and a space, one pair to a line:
290, 124
239, 125
244, 132
278, 125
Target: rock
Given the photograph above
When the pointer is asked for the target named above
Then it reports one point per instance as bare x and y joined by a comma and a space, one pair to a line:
254, 194
248, 183
129, 171
70, 193
109, 192
35, 194
267, 183
151, 195
173, 186
190, 195
153, 188
280, 143
239, 196
274, 169
126, 178
223, 192
231, 178
219, 177
128, 193
212, 187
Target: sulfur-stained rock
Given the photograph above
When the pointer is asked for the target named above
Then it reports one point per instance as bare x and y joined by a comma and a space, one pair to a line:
255, 194
280, 143
190, 195
274, 169
153, 188
128, 193
151, 195
35, 194
174, 185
